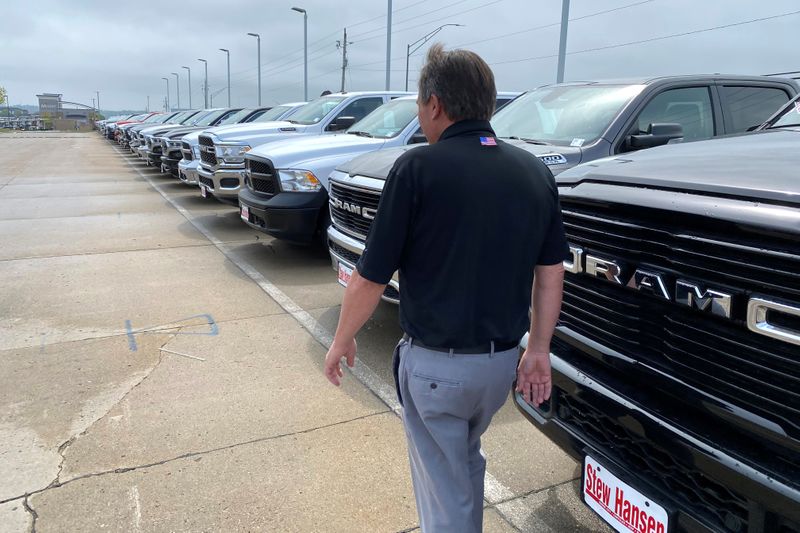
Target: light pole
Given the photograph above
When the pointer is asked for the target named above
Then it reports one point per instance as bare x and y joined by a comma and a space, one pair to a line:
98, 101
562, 44
177, 88
190, 86
228, 53
422, 40
205, 85
305, 50
167, 80
257, 36
388, 44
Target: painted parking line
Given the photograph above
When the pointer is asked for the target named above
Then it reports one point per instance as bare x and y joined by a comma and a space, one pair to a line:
495, 491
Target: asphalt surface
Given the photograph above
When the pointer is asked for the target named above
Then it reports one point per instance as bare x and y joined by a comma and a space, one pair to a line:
160, 370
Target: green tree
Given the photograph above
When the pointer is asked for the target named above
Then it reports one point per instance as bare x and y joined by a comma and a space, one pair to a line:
3, 95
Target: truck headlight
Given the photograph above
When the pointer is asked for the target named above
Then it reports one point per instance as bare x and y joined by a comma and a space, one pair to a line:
299, 180
231, 153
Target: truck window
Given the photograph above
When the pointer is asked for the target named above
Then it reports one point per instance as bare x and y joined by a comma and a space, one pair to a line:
750, 106
361, 107
690, 107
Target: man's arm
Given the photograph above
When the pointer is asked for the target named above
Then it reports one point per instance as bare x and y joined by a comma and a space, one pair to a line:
360, 299
533, 372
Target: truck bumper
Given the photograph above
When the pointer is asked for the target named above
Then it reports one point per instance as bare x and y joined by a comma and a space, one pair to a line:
700, 485
141, 151
289, 216
222, 184
169, 166
346, 250
187, 171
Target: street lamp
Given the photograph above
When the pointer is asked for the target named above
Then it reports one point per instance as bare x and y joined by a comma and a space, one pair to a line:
305, 50
177, 88
190, 86
228, 53
205, 85
257, 36
422, 40
167, 80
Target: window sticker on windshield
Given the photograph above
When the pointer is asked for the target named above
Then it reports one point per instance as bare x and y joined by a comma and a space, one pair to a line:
577, 142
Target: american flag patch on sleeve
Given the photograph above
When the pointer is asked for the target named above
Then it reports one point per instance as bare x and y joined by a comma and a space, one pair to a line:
488, 141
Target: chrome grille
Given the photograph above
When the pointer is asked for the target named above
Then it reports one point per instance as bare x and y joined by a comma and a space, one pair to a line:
352, 223
186, 150
714, 354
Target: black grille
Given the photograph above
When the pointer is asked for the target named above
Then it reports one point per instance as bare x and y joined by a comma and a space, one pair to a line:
229, 183
348, 221
208, 158
344, 253
696, 494
714, 354
206, 141
186, 150
174, 155
207, 182
262, 176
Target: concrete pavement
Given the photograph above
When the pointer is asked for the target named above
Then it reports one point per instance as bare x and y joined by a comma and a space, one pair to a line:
148, 383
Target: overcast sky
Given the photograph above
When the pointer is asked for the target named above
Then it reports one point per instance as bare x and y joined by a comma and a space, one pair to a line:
123, 49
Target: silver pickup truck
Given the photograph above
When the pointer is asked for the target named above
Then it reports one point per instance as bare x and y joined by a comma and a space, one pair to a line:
221, 170
190, 143
568, 124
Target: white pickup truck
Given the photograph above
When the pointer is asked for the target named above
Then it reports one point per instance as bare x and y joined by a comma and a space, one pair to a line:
221, 169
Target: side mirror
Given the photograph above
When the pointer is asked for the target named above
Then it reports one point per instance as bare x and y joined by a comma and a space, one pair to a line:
341, 123
418, 138
657, 135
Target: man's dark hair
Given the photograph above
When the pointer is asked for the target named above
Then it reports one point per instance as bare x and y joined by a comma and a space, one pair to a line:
461, 80
326, 92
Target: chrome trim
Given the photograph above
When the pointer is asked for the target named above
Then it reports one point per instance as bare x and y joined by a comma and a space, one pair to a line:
356, 247
758, 319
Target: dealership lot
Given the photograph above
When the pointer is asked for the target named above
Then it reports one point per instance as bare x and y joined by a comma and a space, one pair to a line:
160, 370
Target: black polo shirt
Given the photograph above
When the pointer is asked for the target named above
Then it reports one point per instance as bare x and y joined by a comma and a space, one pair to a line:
465, 221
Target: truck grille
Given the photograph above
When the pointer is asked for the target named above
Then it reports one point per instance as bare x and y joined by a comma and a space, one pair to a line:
206, 141
349, 222
697, 494
714, 354
207, 182
262, 176
186, 151
208, 157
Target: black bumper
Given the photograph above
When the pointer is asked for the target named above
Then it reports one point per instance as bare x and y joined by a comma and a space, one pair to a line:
701, 483
171, 165
291, 216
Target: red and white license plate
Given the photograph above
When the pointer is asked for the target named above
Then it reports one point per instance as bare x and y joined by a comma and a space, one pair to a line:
203, 192
345, 273
623, 507
245, 213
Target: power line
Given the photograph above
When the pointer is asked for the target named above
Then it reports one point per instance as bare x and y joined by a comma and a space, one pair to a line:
653, 39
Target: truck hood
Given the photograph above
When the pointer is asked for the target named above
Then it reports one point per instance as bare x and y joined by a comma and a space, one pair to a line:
756, 166
247, 132
161, 129
378, 164
292, 153
193, 137
180, 132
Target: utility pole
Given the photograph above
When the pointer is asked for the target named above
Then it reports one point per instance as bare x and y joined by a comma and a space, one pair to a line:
343, 45
98, 101
177, 88
190, 86
205, 84
148, 103
388, 45
228, 53
257, 36
562, 45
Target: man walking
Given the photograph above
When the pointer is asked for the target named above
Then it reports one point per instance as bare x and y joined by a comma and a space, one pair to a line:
467, 221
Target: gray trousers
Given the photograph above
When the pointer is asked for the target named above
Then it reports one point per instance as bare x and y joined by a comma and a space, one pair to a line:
448, 402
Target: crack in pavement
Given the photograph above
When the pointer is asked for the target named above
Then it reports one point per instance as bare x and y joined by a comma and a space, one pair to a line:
30, 510
126, 469
110, 252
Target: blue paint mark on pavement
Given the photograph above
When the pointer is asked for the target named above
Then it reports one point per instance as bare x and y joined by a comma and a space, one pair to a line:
213, 329
131, 338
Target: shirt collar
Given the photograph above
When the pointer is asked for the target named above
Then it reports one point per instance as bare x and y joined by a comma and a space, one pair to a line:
466, 127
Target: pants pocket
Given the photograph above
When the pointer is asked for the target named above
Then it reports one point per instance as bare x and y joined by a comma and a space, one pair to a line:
396, 370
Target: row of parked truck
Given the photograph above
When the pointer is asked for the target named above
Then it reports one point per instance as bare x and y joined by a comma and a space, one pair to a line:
676, 367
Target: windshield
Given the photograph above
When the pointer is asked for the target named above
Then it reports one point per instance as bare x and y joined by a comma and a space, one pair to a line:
571, 115
155, 119
387, 121
315, 111
192, 118
236, 117
178, 117
273, 114
208, 119
789, 117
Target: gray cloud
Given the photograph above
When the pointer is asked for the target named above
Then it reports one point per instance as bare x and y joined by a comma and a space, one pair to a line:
123, 49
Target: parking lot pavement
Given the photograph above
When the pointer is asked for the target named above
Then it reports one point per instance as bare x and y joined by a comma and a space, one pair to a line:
160, 370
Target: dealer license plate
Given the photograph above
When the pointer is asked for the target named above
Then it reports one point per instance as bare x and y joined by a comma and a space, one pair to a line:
345, 273
203, 192
245, 213
623, 507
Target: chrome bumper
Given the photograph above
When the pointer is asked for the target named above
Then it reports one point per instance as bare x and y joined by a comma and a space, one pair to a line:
228, 191
187, 171
352, 248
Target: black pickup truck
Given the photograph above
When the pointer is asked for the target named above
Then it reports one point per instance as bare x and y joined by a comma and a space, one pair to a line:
676, 361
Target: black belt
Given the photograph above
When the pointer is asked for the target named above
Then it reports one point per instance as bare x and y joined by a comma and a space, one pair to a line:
499, 346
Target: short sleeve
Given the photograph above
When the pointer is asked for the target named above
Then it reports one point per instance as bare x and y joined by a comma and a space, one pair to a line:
554, 246
387, 235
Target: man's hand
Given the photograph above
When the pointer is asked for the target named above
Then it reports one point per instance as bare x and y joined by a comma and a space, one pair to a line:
333, 369
534, 378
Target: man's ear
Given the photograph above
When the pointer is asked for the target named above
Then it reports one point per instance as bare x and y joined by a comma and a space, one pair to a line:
436, 107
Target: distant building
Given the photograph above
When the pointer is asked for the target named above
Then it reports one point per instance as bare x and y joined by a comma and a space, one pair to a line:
50, 103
